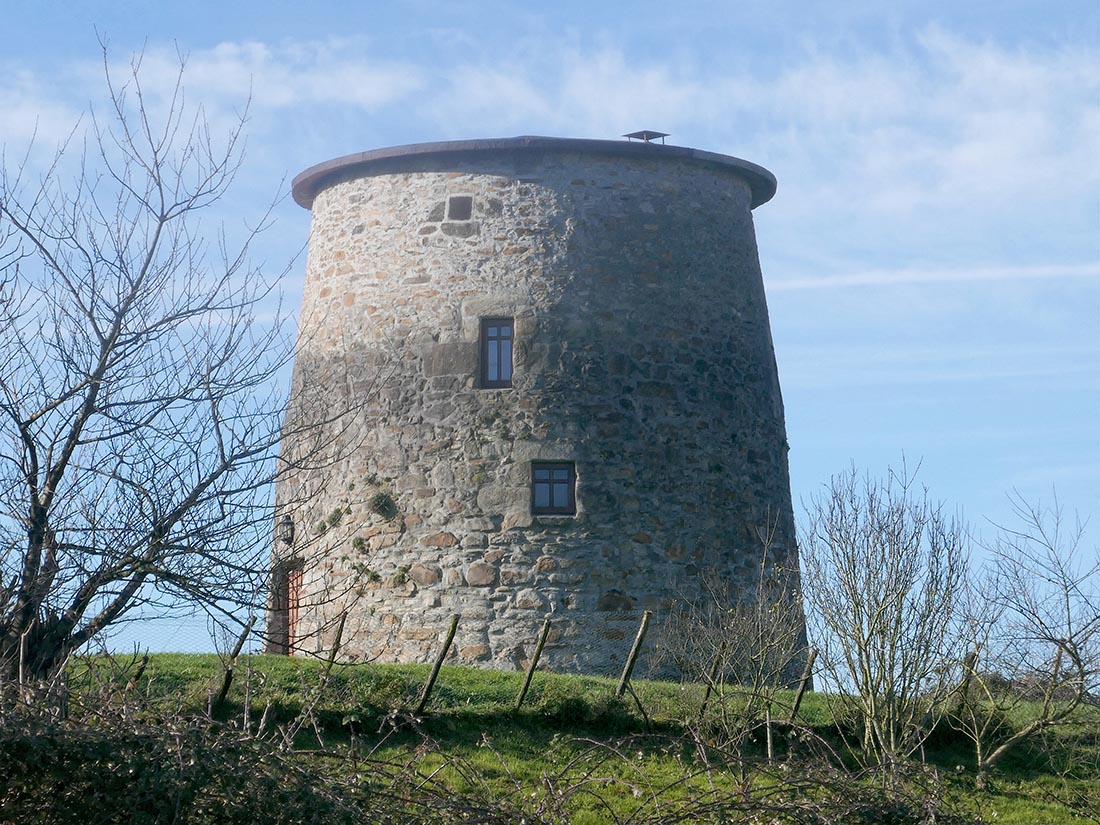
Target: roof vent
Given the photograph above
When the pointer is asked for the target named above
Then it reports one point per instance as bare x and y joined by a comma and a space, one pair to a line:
646, 136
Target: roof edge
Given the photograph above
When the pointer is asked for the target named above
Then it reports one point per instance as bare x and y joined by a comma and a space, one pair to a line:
307, 184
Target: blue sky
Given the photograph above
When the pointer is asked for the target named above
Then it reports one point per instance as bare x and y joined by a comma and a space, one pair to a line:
932, 256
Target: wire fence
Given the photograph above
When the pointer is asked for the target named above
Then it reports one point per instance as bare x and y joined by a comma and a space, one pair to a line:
199, 633
180, 632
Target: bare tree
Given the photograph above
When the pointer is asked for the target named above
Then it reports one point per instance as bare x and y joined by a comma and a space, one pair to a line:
140, 390
746, 643
885, 569
1035, 624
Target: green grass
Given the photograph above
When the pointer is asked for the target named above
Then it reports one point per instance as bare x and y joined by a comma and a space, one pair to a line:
571, 729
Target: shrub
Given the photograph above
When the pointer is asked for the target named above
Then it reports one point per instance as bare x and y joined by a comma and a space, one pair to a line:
164, 771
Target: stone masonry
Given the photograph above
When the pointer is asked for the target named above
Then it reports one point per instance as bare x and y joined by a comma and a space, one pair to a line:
642, 354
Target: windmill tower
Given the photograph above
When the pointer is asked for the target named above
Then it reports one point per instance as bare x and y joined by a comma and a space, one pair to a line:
564, 390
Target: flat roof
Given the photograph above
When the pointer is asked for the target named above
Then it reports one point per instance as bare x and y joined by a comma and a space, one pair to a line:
306, 185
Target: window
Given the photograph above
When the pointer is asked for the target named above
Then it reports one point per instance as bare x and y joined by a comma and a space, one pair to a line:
460, 207
496, 352
553, 488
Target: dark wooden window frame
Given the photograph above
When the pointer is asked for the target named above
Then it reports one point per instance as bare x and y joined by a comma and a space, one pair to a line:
486, 343
567, 508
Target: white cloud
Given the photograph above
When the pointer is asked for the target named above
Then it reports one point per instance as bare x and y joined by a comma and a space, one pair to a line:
31, 112
598, 93
281, 76
884, 133
887, 132
899, 277
320, 72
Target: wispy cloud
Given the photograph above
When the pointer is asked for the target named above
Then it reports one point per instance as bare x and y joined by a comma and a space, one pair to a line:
902, 277
896, 129
32, 112
958, 134
280, 76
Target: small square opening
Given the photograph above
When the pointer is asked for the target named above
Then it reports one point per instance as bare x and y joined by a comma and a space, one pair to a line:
460, 207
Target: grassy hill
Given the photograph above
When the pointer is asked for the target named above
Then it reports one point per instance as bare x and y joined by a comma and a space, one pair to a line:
574, 753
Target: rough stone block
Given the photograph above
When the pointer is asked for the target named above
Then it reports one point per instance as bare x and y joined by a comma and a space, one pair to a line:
514, 575
530, 599
424, 574
453, 358
480, 574
441, 539
473, 653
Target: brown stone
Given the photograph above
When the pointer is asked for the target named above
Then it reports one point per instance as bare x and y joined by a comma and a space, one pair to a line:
473, 653
546, 564
516, 519
424, 574
514, 575
419, 634
443, 539
382, 541
480, 574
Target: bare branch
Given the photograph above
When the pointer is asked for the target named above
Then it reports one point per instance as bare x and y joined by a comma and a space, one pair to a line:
141, 398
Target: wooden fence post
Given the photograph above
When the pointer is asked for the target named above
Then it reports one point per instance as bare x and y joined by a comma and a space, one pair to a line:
634, 651
438, 664
534, 662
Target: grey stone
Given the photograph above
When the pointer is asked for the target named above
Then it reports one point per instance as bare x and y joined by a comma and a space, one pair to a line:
456, 358
459, 230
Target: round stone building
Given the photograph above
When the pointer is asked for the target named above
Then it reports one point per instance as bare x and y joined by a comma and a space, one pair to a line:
535, 378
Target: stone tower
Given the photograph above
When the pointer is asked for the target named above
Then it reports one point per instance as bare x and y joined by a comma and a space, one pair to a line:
562, 399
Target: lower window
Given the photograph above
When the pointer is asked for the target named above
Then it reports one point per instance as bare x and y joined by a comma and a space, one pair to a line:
553, 488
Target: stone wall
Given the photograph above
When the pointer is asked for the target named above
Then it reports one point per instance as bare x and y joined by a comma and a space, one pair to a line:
642, 354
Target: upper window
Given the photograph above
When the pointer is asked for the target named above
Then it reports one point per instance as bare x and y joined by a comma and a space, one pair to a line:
496, 352
553, 488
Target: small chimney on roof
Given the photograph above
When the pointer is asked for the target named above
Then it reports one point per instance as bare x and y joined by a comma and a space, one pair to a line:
646, 135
